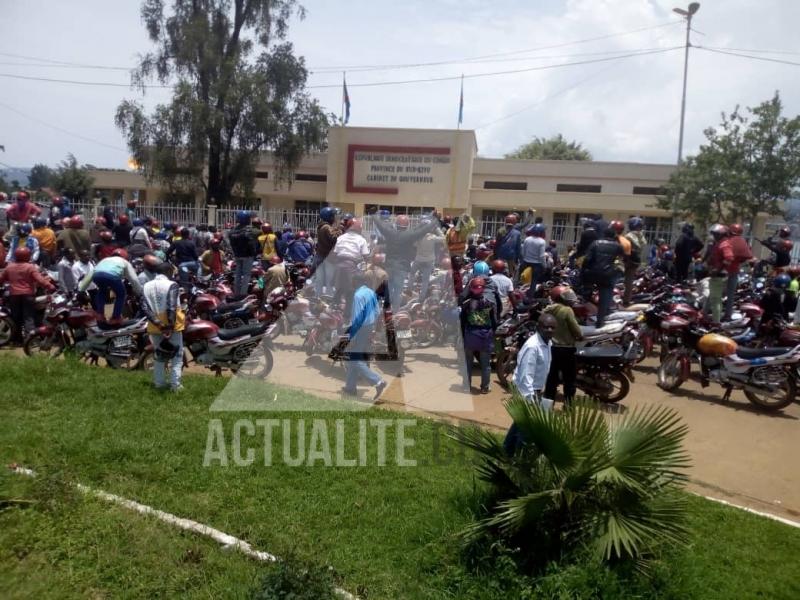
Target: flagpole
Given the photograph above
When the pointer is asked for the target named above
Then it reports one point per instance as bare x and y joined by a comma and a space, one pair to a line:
461, 103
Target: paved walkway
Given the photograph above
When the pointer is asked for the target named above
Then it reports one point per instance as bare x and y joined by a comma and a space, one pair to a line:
738, 453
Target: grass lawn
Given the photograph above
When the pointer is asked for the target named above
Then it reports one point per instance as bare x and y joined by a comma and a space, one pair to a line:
389, 532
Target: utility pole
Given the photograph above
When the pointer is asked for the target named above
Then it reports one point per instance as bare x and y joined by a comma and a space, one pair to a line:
687, 13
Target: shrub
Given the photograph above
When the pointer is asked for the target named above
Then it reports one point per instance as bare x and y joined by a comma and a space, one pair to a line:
293, 579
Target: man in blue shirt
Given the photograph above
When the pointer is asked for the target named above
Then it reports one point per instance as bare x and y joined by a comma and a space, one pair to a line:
366, 310
530, 376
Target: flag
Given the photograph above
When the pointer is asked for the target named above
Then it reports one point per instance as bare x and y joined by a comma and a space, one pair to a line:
345, 100
461, 103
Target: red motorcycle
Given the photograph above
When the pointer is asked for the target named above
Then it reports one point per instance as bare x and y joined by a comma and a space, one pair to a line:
326, 331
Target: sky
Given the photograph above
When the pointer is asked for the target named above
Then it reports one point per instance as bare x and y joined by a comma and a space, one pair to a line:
621, 110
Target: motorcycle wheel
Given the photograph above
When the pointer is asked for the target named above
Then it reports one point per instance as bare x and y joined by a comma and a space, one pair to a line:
618, 381
506, 362
36, 345
776, 401
6, 331
670, 373
257, 366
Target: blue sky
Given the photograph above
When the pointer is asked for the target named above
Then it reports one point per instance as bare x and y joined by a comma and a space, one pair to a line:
621, 110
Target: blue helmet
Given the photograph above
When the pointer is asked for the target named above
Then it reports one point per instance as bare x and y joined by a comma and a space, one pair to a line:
24, 228
138, 223
782, 281
243, 217
538, 229
635, 223
480, 268
327, 214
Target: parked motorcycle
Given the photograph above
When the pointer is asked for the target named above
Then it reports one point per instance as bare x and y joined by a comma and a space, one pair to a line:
765, 375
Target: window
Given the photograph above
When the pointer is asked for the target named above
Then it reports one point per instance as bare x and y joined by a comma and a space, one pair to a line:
578, 187
309, 205
656, 228
310, 177
561, 222
262, 174
397, 210
505, 185
648, 191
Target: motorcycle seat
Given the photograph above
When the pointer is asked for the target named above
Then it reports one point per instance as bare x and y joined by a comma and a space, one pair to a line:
622, 315
607, 329
761, 352
608, 352
232, 334
637, 308
106, 326
229, 307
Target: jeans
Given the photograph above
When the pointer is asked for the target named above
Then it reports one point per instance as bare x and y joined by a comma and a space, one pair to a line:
397, 279
425, 269
715, 289
159, 366
243, 265
324, 275
604, 307
514, 439
484, 357
730, 294
105, 282
185, 268
359, 368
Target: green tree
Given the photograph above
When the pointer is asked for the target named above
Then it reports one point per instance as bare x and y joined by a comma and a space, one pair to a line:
554, 148
749, 164
238, 91
72, 180
41, 176
580, 481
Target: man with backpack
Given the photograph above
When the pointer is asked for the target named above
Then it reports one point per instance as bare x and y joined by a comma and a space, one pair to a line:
245, 247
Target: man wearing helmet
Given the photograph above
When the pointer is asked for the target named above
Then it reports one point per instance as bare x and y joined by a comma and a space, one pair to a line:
741, 254
503, 283
567, 333
24, 239
687, 246
212, 260
105, 247
782, 247
327, 233
109, 274
401, 248
122, 231
633, 259
244, 244
47, 241
300, 249
509, 244
773, 300
428, 248
600, 269
185, 257
23, 209
23, 279
75, 237
720, 260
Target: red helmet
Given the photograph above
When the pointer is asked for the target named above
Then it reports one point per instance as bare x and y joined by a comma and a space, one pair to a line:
736, 229
784, 231
793, 270
57, 201
266, 228
663, 248
301, 235
401, 221
511, 219
499, 266
131, 203
256, 222
151, 262
66, 222
355, 224
445, 264
123, 219
483, 253
563, 293
23, 196
121, 252
477, 285
106, 236
553, 243
22, 254
76, 222
786, 245
617, 226
491, 244
99, 221
215, 242
275, 260
378, 258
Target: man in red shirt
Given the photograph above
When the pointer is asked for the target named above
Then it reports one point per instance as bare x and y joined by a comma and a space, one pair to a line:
23, 278
720, 261
741, 254
23, 210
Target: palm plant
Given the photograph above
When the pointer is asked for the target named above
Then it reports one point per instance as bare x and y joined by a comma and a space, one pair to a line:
583, 480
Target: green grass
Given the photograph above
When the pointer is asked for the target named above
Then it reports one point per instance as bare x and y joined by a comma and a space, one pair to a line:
389, 532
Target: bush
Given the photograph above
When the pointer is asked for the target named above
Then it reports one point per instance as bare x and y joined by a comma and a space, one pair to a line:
293, 579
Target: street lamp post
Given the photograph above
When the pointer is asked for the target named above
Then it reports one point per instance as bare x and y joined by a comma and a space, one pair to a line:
687, 13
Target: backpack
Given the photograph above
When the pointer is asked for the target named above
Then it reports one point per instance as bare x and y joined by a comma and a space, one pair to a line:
240, 240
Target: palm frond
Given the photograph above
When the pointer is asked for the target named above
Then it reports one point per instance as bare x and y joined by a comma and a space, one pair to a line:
545, 430
516, 514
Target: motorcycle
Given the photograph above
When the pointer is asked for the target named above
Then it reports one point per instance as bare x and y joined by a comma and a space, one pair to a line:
765, 375
325, 332
602, 372
229, 349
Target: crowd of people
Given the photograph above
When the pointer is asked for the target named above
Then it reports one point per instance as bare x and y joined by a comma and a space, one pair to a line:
368, 274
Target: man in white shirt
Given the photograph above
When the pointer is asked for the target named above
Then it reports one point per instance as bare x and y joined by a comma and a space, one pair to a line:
533, 254
351, 248
503, 283
66, 280
84, 267
530, 376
